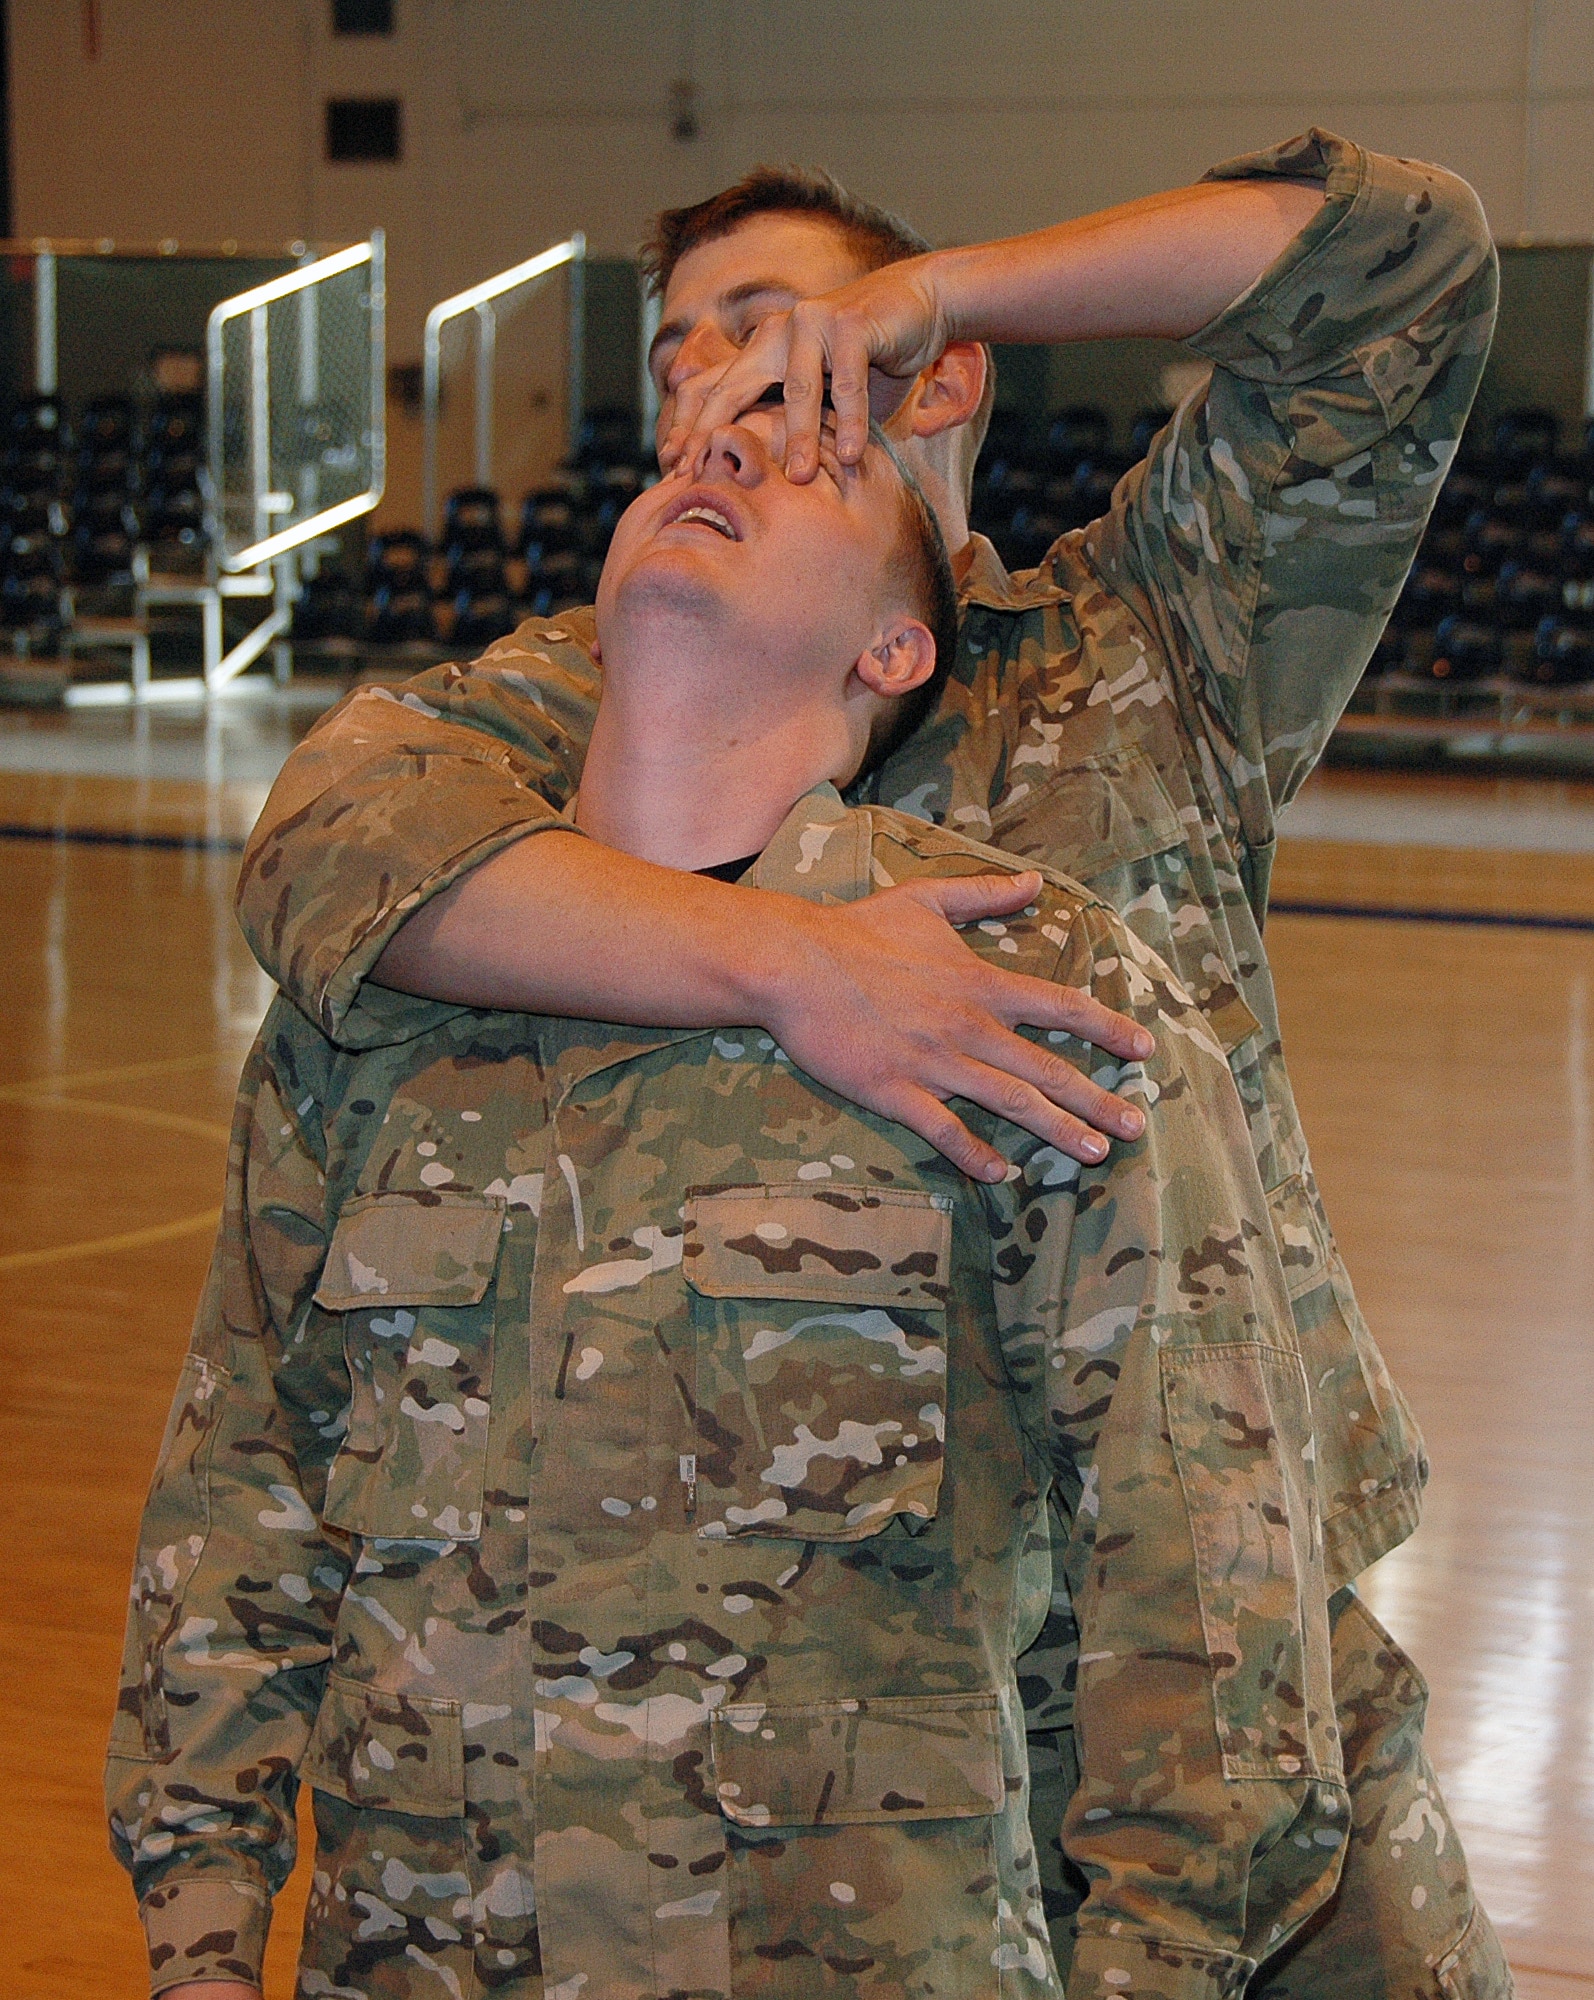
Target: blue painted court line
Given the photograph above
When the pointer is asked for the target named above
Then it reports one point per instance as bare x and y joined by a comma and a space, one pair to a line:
1394, 913
87, 836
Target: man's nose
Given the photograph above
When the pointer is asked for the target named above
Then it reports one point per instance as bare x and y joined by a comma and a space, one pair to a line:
733, 452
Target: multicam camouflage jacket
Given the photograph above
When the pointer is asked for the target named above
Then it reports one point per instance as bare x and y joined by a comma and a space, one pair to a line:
613, 1470
1136, 712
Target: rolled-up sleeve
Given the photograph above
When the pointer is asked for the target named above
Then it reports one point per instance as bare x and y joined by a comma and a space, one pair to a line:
1268, 532
397, 794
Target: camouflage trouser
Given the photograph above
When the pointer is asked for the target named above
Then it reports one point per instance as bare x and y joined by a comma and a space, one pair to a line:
1403, 1923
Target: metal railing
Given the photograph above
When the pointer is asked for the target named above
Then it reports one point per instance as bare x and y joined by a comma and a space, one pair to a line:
482, 301
266, 500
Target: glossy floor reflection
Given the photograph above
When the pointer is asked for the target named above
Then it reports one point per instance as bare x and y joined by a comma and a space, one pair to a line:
1446, 1078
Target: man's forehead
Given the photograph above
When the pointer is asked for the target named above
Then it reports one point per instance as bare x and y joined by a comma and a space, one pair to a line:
799, 255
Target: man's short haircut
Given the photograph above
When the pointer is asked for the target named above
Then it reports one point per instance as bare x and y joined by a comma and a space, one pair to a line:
924, 571
876, 236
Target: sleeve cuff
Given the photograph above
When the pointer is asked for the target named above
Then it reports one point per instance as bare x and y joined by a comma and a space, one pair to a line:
1392, 237
1127, 1967
205, 1928
1265, 331
353, 1011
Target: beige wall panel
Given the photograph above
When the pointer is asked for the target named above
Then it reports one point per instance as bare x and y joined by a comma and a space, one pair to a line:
1565, 53
1125, 50
189, 123
1563, 178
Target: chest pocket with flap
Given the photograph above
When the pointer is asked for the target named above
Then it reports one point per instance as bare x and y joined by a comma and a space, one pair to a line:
819, 1320
411, 1274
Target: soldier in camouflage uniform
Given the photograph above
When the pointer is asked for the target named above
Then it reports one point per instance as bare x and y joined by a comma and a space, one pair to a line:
1138, 711
614, 1469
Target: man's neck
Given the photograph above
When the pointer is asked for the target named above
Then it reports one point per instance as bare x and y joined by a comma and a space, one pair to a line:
689, 783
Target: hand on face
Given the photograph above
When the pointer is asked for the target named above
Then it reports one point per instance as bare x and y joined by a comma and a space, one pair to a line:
870, 337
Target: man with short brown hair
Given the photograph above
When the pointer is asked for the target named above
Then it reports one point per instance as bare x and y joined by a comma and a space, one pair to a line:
616, 1473
1137, 711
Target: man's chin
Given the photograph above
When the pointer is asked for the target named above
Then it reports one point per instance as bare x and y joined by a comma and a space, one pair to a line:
675, 583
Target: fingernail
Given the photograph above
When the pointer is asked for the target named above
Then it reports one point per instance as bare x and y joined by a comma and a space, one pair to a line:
797, 466
1094, 1146
996, 1171
1144, 1045
1133, 1123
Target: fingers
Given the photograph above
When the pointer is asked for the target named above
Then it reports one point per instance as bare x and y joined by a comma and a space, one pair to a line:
964, 899
689, 400
716, 396
806, 368
1007, 1093
1093, 1109
1020, 1103
967, 899
1081, 1014
847, 355
941, 1128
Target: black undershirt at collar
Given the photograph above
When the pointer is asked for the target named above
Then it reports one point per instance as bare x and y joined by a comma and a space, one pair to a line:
728, 871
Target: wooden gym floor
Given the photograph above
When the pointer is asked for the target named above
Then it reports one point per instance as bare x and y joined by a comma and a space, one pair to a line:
1446, 1077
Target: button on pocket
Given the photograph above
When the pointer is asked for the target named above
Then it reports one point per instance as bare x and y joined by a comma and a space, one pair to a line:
411, 1274
819, 1321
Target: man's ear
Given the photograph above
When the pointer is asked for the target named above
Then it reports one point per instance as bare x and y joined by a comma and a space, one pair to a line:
945, 394
901, 658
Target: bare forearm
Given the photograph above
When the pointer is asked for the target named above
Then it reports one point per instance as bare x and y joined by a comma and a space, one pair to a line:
1165, 265
558, 924
880, 999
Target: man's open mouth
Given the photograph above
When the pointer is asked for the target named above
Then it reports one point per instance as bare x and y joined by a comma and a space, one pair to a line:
704, 514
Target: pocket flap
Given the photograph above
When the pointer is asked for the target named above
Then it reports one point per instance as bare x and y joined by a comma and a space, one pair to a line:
1296, 1233
1109, 810
838, 1763
427, 1248
845, 1245
402, 1752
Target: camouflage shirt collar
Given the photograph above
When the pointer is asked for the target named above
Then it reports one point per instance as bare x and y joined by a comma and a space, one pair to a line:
989, 585
821, 851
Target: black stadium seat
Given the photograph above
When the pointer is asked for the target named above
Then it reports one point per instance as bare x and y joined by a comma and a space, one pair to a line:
398, 588
1525, 437
472, 519
1466, 650
329, 607
1563, 652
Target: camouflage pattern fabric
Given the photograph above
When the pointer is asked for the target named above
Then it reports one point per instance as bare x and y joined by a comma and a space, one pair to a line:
1137, 711
613, 1472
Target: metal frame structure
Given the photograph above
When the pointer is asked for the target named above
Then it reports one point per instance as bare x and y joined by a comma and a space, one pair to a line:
481, 300
44, 250
268, 565
267, 502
